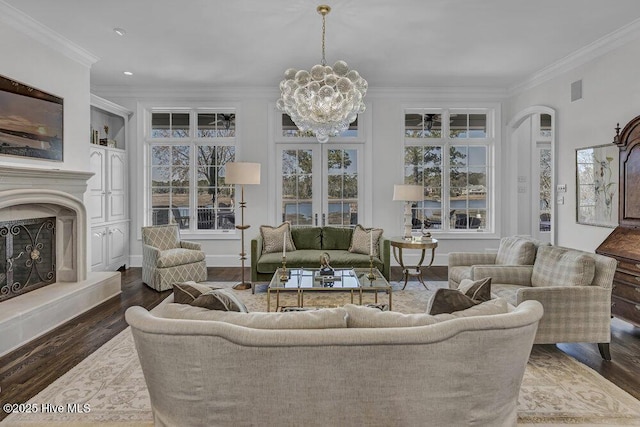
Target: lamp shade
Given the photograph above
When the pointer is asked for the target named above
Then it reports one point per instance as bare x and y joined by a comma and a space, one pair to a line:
242, 173
407, 193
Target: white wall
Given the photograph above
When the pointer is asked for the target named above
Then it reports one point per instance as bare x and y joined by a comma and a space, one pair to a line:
610, 87
385, 143
34, 64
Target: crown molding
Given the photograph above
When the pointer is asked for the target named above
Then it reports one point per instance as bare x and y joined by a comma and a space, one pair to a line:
185, 92
22, 22
603, 45
404, 93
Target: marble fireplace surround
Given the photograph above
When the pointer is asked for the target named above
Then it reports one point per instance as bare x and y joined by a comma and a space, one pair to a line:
36, 192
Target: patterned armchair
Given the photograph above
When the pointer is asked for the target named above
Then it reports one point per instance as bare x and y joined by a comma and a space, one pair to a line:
167, 260
573, 286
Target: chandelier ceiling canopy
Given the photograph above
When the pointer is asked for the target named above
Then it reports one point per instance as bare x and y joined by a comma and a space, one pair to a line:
324, 100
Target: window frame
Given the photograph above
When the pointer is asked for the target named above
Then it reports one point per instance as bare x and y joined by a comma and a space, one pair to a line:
491, 141
193, 142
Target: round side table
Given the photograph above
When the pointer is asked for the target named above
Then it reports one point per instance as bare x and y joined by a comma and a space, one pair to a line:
399, 243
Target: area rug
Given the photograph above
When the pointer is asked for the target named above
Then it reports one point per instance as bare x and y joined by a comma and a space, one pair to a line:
556, 388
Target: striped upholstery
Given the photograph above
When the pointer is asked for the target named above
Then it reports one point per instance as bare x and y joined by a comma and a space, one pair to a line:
172, 260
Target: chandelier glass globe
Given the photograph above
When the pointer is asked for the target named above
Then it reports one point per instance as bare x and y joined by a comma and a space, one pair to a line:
323, 100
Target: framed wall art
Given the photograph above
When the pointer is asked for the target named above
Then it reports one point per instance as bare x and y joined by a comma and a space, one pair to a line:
597, 185
31, 122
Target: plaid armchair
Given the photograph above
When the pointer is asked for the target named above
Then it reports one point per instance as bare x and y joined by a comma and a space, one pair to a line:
167, 260
573, 286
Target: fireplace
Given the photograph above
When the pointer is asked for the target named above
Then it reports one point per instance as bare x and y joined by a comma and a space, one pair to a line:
29, 250
54, 199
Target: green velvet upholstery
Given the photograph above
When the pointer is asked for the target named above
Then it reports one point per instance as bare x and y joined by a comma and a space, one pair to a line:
334, 240
307, 237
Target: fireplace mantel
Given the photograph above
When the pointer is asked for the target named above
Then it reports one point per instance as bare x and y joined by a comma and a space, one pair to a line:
29, 192
72, 182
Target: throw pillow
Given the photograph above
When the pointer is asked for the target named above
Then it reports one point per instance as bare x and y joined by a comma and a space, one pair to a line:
187, 292
220, 299
479, 290
515, 250
274, 237
449, 301
557, 266
362, 240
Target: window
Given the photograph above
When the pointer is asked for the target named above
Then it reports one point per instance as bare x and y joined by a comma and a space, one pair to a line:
447, 152
188, 151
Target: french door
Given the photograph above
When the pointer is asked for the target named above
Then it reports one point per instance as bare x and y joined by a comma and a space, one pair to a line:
319, 184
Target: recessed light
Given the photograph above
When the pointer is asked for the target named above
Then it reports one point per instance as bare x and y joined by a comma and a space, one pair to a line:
128, 73
119, 31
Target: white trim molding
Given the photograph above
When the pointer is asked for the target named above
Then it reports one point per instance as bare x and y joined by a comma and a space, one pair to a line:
22, 22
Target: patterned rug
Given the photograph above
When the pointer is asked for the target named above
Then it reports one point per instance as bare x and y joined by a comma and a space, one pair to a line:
556, 388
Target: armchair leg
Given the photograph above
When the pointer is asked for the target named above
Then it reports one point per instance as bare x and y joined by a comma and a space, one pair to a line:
604, 350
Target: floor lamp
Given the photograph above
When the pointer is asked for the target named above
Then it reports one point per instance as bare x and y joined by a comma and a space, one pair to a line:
242, 173
407, 193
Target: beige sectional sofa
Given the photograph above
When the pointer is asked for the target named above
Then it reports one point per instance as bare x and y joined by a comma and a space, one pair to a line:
333, 366
573, 286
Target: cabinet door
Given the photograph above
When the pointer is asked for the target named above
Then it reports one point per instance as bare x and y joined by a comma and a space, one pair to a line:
98, 248
117, 236
97, 188
117, 172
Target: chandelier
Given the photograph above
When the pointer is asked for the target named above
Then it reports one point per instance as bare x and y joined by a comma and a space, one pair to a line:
324, 100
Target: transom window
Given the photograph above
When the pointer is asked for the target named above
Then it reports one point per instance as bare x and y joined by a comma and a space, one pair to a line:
447, 152
187, 154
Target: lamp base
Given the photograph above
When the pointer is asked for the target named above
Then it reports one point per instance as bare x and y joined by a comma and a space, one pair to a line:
242, 286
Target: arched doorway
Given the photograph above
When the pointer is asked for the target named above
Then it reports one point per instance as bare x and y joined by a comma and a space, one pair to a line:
531, 154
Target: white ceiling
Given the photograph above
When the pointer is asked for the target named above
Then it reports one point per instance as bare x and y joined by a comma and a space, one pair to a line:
401, 43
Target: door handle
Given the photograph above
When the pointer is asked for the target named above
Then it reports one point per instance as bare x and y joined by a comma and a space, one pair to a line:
323, 219
316, 219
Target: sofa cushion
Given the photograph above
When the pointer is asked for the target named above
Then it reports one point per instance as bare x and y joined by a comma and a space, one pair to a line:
307, 237
178, 256
187, 292
557, 266
478, 290
516, 250
365, 240
274, 237
459, 273
325, 318
367, 317
336, 238
219, 299
310, 258
507, 291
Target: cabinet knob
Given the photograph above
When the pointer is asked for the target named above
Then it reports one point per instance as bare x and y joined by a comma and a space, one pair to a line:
637, 265
637, 306
614, 286
637, 290
613, 304
637, 278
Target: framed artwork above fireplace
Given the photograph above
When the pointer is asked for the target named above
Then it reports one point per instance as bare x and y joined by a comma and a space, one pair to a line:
31, 122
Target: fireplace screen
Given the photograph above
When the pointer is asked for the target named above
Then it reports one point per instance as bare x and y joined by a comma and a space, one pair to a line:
28, 250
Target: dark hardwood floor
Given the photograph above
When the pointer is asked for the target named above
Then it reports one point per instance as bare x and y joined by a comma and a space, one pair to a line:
29, 369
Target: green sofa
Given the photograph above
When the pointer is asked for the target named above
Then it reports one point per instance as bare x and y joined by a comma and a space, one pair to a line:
310, 243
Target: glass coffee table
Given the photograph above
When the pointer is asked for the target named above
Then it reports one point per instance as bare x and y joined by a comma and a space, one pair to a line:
355, 281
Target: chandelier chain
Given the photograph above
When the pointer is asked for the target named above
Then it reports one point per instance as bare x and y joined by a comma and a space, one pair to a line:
324, 27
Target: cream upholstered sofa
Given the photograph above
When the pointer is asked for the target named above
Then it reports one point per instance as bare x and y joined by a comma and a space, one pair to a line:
573, 286
329, 371
167, 260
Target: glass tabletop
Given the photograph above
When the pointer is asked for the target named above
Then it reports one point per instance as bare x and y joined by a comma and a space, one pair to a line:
342, 279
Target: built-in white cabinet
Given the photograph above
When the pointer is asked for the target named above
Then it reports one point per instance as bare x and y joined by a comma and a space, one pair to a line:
109, 246
107, 190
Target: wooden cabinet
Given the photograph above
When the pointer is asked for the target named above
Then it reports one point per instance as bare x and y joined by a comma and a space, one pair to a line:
107, 190
623, 243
